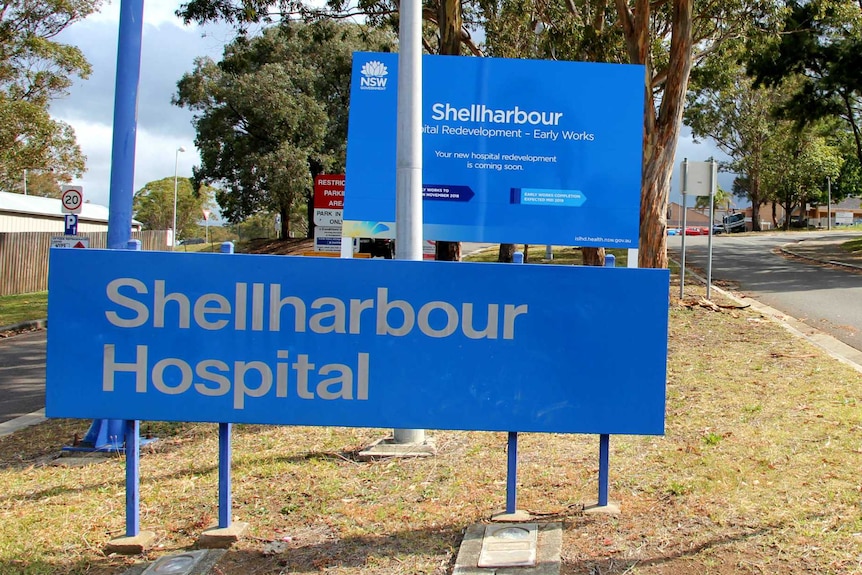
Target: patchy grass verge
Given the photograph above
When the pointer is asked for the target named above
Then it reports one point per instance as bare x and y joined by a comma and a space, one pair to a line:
23, 307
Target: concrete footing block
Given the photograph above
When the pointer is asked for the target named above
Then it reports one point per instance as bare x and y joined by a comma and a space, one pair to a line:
549, 550
388, 448
518, 516
611, 508
134, 545
222, 537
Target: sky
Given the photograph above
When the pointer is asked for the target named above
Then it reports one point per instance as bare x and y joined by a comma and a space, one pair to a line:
169, 50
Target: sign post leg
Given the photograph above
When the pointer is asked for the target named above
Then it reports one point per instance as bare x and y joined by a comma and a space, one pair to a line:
603, 505
133, 479
227, 531
512, 473
224, 483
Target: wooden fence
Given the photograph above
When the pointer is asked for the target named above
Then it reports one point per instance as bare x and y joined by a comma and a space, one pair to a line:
24, 257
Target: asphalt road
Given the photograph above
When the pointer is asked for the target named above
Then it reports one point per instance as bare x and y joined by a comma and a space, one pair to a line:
825, 298
22, 374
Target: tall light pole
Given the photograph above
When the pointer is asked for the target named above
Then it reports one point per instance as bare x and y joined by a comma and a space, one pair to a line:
25, 181
174, 228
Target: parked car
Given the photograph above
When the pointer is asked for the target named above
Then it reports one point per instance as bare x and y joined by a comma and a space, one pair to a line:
696, 231
717, 229
673, 231
800, 223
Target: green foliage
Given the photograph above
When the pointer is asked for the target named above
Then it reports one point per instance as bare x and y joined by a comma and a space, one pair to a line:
721, 200
34, 69
712, 438
154, 205
273, 113
820, 41
797, 165
260, 225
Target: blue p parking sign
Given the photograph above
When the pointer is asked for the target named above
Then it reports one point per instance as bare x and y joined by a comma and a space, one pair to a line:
71, 227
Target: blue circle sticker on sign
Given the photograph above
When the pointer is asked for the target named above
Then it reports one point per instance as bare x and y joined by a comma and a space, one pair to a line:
72, 199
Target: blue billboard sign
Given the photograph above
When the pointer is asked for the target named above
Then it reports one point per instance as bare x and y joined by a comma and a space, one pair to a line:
366, 343
514, 151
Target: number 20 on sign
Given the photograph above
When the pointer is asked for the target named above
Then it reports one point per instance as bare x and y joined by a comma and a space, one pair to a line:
72, 199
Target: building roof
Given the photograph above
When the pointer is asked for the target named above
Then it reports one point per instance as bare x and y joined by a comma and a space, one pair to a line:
850, 203
50, 207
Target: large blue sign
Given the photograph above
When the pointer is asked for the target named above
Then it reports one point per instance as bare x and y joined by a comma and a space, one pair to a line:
514, 151
370, 343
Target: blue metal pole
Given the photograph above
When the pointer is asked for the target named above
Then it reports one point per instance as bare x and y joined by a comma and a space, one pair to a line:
133, 479
512, 451
604, 467
224, 486
125, 123
122, 160
105, 434
512, 474
224, 452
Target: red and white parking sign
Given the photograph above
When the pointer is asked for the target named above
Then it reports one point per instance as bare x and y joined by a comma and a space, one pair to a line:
329, 191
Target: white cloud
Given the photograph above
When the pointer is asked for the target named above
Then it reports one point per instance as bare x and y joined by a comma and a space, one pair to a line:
155, 154
168, 51
156, 13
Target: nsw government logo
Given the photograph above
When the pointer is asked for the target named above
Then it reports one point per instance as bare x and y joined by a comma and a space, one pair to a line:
373, 76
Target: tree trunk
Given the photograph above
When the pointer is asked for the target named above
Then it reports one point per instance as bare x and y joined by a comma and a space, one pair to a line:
449, 24
506, 254
448, 252
755, 217
788, 212
309, 213
754, 195
593, 256
285, 222
661, 130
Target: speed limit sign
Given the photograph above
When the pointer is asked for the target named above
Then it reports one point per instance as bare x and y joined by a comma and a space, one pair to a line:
72, 199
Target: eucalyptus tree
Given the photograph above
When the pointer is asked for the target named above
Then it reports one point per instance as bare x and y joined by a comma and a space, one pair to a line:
668, 38
273, 113
819, 41
797, 165
724, 105
153, 205
35, 68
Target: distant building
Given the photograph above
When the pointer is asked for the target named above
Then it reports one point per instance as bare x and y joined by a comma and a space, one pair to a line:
20, 213
846, 212
693, 217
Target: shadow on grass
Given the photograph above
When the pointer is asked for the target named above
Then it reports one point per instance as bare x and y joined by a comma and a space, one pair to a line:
412, 551
299, 557
195, 471
683, 559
